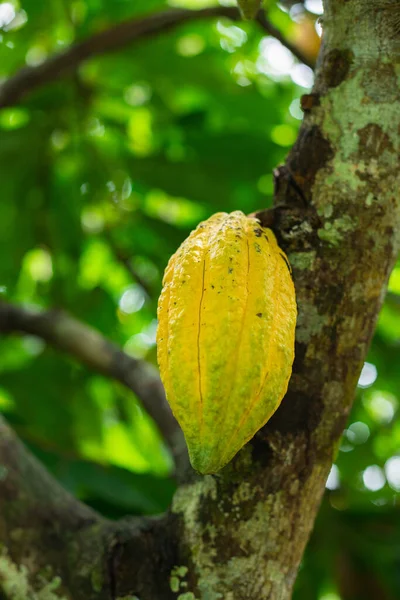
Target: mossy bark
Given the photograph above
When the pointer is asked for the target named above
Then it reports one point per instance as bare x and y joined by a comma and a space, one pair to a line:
53, 547
240, 535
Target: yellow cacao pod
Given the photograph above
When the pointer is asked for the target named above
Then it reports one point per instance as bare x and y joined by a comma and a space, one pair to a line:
225, 339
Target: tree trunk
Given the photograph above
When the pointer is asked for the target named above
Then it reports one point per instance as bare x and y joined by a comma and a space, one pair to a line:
240, 535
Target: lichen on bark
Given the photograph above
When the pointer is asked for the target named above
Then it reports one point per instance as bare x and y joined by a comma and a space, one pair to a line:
15, 583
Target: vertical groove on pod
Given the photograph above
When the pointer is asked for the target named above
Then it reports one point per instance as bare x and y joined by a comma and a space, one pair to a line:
239, 342
198, 349
244, 311
267, 366
264, 378
242, 329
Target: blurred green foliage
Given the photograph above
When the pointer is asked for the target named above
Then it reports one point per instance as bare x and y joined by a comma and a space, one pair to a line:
104, 172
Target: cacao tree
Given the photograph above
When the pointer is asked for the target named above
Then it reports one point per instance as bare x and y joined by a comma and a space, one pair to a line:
241, 533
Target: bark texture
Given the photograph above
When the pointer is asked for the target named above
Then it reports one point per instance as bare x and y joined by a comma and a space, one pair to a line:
52, 547
44, 532
240, 535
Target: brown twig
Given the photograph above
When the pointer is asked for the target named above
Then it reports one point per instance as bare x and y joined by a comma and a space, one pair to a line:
274, 32
115, 38
126, 262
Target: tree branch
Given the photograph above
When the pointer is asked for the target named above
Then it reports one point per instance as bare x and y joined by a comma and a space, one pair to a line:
273, 31
89, 347
53, 546
126, 261
115, 38
34, 504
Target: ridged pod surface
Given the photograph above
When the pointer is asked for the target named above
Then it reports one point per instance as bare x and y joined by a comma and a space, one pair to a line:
225, 339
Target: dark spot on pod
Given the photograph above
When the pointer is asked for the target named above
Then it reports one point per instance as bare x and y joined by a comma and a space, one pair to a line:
257, 247
266, 237
230, 270
183, 280
259, 315
258, 232
286, 261
213, 286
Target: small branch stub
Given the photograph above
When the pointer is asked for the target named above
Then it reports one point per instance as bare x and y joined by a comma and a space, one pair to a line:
249, 8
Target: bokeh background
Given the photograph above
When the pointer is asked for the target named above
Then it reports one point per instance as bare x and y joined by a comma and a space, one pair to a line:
103, 173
